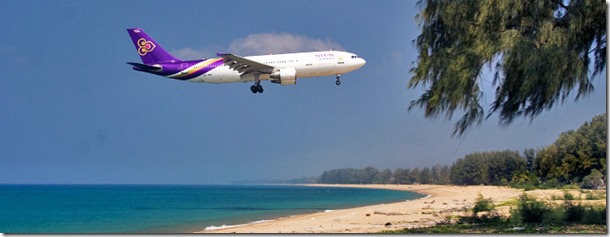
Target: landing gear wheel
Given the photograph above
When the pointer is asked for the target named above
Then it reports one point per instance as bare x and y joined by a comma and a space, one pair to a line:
257, 88
338, 82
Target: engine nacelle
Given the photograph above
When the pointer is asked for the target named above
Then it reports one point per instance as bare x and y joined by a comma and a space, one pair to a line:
284, 76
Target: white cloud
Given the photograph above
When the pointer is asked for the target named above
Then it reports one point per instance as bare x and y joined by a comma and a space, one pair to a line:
269, 43
191, 54
264, 43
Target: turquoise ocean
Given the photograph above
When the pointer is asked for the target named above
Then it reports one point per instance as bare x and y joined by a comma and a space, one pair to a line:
168, 208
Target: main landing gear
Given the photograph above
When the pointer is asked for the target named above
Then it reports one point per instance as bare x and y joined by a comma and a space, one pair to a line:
338, 82
257, 88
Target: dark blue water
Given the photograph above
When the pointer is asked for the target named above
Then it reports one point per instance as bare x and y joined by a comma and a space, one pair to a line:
167, 209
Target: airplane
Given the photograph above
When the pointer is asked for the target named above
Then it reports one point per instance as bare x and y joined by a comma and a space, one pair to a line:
283, 69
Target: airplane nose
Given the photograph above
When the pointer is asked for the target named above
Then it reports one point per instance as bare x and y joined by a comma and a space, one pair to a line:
361, 62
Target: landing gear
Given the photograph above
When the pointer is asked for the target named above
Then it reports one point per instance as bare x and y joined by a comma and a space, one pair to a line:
257, 88
338, 82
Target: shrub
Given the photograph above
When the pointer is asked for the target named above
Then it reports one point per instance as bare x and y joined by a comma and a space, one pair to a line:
570, 186
529, 210
555, 215
552, 183
573, 213
594, 180
594, 196
482, 204
594, 215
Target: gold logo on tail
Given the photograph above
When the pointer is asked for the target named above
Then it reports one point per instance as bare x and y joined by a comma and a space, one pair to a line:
145, 46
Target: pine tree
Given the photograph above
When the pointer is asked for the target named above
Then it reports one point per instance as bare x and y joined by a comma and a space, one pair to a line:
539, 52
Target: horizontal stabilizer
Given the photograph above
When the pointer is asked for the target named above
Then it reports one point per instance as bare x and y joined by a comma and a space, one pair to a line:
145, 67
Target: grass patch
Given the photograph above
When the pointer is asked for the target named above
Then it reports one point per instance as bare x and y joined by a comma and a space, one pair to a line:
590, 195
509, 203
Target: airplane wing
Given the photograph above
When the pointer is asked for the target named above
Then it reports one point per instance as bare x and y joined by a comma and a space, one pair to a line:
245, 66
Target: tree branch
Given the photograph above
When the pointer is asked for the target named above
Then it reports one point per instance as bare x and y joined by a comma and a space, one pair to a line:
560, 3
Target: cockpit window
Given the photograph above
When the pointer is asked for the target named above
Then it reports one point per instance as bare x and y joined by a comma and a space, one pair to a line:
354, 56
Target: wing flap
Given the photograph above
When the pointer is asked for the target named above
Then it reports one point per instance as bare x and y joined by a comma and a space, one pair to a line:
244, 65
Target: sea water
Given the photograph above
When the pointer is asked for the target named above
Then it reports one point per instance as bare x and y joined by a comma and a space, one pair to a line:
168, 208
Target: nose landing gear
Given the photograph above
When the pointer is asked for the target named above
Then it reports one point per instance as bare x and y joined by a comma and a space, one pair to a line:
338, 82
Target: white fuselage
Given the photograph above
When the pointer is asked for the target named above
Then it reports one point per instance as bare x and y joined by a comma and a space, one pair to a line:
309, 64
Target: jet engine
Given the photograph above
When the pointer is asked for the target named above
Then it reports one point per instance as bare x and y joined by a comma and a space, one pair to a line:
284, 76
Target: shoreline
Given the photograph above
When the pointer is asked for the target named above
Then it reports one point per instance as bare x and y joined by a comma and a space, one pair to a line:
440, 203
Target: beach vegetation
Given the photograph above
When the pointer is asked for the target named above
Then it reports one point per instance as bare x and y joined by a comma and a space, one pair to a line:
577, 159
503, 227
567, 195
551, 184
508, 203
529, 210
529, 215
594, 180
482, 204
590, 195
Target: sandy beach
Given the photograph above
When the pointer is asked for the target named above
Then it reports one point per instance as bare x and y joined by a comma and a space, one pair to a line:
443, 201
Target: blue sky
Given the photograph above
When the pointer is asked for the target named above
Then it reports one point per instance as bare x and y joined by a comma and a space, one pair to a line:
72, 111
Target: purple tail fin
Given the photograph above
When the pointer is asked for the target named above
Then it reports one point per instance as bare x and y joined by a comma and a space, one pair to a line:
148, 49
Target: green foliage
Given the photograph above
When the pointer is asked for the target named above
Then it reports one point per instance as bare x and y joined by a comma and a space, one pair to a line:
538, 51
595, 215
594, 180
482, 205
594, 196
573, 212
370, 175
487, 168
504, 228
575, 154
567, 195
345, 176
551, 183
525, 180
534, 216
567, 218
554, 216
529, 210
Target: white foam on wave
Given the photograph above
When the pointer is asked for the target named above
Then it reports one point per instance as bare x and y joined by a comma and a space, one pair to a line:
261, 221
219, 227
328, 210
210, 228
